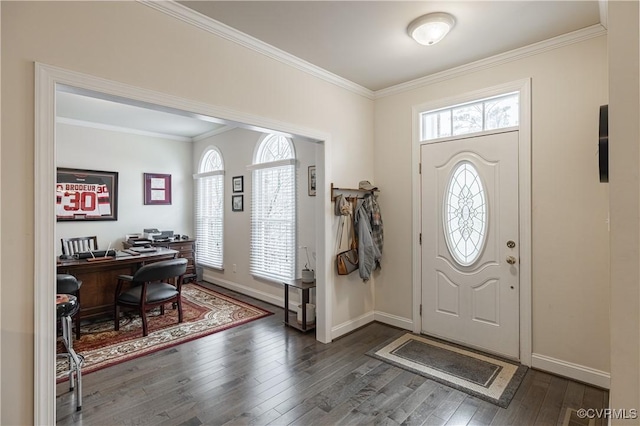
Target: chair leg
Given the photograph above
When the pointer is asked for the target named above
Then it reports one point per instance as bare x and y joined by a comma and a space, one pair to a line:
67, 336
179, 303
145, 331
78, 363
75, 363
116, 318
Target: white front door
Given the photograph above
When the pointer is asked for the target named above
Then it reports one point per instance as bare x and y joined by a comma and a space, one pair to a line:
470, 268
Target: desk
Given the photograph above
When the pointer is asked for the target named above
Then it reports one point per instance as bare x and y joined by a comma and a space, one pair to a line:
99, 278
185, 248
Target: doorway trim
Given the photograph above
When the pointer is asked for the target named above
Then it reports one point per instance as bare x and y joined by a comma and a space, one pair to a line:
46, 79
523, 87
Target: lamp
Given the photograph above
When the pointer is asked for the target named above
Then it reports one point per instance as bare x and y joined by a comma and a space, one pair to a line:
431, 28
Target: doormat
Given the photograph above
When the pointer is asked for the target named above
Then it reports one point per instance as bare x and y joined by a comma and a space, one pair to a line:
204, 312
492, 379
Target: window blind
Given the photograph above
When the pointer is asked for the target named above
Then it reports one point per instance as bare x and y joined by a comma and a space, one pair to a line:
210, 219
273, 214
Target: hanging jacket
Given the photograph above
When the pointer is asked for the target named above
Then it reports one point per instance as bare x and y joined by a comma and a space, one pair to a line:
368, 253
375, 220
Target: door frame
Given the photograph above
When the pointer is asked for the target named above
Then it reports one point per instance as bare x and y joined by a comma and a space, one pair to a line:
47, 77
523, 87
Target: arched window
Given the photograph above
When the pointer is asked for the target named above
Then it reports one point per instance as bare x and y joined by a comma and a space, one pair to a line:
210, 209
273, 209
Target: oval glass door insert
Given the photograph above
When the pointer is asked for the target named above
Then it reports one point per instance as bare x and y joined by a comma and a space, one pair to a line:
465, 214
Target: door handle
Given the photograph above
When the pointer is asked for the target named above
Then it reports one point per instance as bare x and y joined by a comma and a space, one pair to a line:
511, 260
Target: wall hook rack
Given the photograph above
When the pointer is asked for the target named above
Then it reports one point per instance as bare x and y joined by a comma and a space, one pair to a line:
349, 192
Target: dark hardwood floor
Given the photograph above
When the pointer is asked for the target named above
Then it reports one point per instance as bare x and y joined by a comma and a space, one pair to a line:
265, 373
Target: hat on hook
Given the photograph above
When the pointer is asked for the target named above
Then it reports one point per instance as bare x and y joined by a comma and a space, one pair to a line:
365, 184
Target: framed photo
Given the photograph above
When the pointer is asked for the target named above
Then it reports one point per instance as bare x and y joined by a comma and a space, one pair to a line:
83, 195
312, 181
238, 183
237, 203
157, 189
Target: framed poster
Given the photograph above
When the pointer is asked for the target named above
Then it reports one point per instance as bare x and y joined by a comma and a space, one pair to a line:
86, 195
237, 203
157, 189
238, 183
312, 181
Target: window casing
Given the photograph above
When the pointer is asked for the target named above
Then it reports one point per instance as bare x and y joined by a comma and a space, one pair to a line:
273, 210
209, 187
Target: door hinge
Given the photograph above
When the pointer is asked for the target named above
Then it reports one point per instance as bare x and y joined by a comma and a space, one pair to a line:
420, 238
419, 168
420, 309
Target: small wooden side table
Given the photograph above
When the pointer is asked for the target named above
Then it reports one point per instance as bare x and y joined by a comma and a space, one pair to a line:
291, 319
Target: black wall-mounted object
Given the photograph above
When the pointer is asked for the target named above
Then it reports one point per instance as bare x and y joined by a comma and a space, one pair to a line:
603, 144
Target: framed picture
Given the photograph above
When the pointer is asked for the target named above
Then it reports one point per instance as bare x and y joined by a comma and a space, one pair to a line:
157, 189
86, 195
238, 183
237, 203
312, 181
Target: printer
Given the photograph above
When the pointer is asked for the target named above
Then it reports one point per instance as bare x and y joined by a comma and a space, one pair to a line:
154, 234
150, 233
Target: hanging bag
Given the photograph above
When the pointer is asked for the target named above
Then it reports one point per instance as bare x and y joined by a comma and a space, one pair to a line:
347, 261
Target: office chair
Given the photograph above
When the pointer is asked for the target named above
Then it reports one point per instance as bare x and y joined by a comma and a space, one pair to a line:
149, 288
68, 284
71, 246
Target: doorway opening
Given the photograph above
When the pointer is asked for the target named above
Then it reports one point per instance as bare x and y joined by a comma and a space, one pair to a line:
49, 80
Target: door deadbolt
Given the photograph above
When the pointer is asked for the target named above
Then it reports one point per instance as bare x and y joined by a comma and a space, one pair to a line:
511, 260
511, 244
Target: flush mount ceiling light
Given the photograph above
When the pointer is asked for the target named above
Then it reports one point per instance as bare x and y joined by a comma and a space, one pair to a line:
431, 28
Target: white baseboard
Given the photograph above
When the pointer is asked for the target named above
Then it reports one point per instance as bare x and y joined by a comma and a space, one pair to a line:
578, 372
573, 371
349, 326
393, 320
248, 291
362, 320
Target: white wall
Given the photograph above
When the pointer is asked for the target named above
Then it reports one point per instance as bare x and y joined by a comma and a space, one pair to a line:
131, 156
570, 248
237, 147
134, 44
624, 158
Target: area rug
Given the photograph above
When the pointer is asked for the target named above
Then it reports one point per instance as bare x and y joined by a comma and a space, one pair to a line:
204, 312
483, 376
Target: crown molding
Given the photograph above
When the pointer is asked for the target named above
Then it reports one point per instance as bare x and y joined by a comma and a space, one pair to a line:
213, 132
494, 61
603, 9
101, 126
212, 26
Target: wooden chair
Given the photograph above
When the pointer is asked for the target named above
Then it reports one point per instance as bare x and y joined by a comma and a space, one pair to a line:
150, 288
71, 246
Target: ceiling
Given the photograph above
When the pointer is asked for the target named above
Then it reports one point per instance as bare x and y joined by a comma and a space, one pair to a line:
116, 115
364, 42
86, 108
